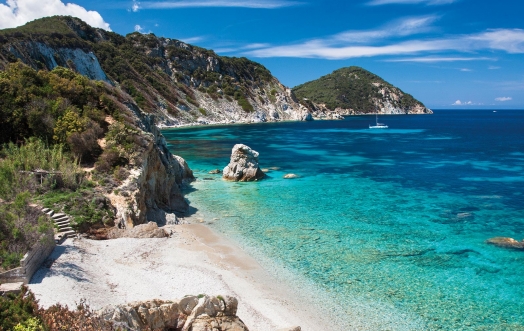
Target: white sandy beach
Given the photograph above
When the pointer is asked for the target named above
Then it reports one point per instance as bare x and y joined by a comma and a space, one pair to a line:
193, 260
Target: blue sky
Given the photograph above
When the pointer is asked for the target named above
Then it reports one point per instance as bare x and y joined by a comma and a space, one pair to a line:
446, 53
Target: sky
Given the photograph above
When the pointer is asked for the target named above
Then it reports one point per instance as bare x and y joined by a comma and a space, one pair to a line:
446, 53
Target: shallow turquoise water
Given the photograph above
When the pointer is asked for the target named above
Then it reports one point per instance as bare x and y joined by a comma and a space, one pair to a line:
389, 222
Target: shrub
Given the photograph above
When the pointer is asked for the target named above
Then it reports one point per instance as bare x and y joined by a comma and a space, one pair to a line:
192, 101
246, 106
17, 309
20, 228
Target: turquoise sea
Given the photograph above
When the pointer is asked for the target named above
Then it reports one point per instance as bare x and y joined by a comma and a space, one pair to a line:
391, 224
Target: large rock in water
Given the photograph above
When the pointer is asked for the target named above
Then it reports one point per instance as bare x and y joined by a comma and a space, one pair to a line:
243, 165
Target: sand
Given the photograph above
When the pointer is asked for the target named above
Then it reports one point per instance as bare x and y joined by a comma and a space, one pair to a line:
194, 260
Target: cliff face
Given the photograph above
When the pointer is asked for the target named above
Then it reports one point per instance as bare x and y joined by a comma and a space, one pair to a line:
152, 192
40, 55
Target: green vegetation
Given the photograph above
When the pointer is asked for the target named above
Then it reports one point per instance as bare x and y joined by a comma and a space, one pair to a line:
20, 228
353, 88
242, 101
57, 119
21, 312
17, 310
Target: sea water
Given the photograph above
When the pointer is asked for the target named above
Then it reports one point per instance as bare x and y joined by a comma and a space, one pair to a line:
390, 224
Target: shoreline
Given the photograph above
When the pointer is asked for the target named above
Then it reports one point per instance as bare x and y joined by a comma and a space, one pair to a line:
194, 260
198, 124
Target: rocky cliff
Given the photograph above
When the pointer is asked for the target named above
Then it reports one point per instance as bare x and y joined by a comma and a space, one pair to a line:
179, 83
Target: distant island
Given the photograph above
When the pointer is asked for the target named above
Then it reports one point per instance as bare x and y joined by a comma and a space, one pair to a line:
356, 91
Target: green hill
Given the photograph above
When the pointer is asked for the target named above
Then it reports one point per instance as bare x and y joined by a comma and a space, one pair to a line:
360, 91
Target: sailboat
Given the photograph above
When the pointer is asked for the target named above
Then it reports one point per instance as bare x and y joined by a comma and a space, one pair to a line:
377, 124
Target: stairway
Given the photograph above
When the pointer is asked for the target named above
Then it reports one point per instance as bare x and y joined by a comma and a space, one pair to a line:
62, 222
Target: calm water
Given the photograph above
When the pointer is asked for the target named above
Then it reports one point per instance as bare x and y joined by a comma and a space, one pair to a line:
391, 223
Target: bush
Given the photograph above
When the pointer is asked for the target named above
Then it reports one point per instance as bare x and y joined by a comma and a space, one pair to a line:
17, 309
21, 313
86, 207
192, 101
64, 170
246, 106
20, 228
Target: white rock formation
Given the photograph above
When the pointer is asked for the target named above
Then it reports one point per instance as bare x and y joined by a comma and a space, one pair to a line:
243, 165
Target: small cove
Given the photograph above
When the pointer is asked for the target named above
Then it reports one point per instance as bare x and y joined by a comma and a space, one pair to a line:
390, 223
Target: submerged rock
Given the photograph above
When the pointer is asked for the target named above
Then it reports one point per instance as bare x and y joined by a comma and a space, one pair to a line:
291, 176
506, 242
243, 165
215, 171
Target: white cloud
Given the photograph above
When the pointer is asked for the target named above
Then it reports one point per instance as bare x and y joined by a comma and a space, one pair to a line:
399, 28
138, 28
353, 44
136, 6
493, 67
460, 103
18, 12
265, 4
192, 39
431, 59
502, 99
465, 69
508, 40
409, 2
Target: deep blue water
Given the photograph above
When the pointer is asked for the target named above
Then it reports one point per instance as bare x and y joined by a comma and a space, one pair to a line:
391, 223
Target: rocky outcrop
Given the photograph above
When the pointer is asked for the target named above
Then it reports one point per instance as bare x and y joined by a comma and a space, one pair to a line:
506, 242
243, 165
148, 230
193, 313
155, 185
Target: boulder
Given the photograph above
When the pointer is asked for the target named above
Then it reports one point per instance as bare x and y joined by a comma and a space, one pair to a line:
506, 242
243, 165
201, 313
215, 171
148, 230
291, 176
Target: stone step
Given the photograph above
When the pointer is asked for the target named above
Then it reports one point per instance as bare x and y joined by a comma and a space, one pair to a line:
63, 222
59, 215
10, 288
68, 234
59, 219
45, 210
64, 228
50, 213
